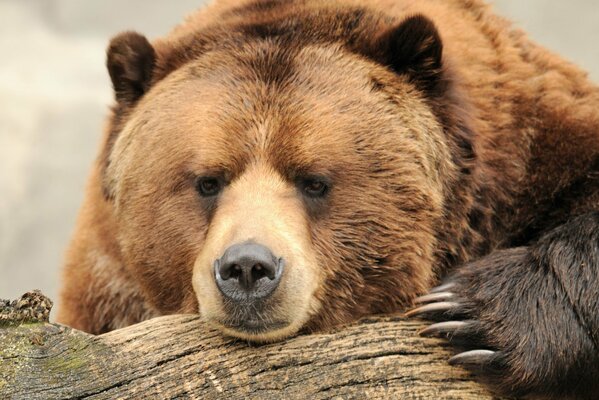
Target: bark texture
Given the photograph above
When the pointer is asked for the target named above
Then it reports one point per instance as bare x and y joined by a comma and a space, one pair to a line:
180, 357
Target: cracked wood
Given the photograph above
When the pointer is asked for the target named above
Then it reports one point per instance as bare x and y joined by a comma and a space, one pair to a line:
179, 357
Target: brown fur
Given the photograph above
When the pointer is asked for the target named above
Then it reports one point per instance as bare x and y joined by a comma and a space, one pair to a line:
501, 148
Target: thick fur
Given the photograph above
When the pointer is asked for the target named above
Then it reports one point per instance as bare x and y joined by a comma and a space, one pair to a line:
536, 306
449, 138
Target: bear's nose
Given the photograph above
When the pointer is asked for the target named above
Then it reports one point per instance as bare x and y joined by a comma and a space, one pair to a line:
248, 271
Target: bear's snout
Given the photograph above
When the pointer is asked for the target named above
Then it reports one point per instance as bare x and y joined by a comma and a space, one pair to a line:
257, 271
248, 273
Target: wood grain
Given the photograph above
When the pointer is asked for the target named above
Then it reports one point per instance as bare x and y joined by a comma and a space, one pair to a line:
180, 357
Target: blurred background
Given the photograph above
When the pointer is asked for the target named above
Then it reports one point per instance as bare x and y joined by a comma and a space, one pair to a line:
55, 93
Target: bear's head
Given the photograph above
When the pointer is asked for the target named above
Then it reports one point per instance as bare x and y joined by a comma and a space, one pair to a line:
283, 174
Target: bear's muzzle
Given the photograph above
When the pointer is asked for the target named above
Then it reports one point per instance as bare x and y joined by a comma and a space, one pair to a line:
247, 275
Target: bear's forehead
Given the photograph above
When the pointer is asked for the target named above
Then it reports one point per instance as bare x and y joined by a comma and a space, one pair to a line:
299, 109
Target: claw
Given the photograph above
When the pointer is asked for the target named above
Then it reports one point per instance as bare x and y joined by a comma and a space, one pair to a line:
443, 288
440, 306
442, 328
433, 297
472, 357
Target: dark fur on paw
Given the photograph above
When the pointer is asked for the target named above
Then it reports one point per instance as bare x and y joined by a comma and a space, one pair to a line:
526, 320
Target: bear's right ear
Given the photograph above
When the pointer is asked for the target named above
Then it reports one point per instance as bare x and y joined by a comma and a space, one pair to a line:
130, 62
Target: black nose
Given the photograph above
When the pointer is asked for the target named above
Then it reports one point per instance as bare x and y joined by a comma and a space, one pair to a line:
248, 271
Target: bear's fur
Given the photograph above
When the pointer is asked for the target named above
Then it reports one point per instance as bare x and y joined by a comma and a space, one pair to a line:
444, 133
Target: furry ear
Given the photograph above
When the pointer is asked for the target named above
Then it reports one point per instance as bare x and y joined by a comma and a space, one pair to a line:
130, 62
414, 48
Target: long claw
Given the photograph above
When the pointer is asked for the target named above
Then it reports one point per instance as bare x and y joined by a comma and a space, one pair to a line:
434, 297
472, 357
442, 328
443, 288
440, 306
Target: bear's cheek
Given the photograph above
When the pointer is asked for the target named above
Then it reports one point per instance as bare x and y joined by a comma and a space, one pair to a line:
160, 236
258, 210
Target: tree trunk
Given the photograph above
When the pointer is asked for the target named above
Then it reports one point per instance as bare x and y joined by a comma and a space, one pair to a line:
180, 357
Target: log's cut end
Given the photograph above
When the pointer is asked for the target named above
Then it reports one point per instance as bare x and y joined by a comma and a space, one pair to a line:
32, 307
178, 356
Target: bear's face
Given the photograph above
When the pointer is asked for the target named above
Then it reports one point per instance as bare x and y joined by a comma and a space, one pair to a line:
279, 189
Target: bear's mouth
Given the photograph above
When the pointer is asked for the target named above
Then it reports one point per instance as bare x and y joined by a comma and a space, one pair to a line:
255, 326
253, 318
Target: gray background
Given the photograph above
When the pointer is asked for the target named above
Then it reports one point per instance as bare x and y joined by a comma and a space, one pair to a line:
54, 94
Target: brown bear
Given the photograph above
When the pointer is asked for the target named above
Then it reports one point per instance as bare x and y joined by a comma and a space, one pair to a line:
284, 166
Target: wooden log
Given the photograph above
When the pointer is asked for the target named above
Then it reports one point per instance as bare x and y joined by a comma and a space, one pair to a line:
179, 356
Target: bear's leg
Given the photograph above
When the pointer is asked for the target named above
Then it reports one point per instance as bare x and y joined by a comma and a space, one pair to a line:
527, 319
98, 297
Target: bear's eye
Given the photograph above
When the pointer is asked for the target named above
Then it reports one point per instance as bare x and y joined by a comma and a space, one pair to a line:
314, 187
208, 186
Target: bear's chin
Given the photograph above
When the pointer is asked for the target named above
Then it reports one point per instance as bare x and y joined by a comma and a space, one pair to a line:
257, 331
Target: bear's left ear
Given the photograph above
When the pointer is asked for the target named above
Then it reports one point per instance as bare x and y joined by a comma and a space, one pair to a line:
130, 62
414, 48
